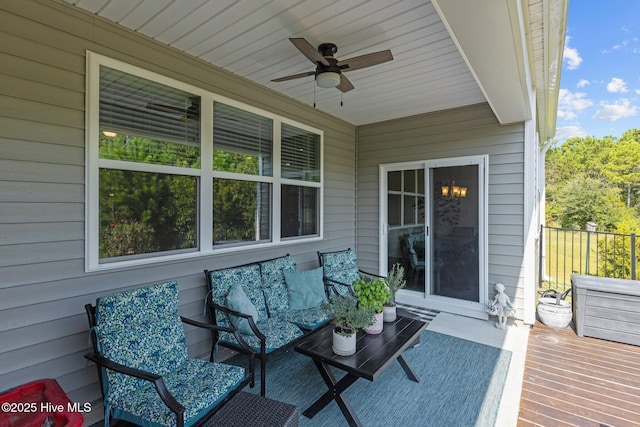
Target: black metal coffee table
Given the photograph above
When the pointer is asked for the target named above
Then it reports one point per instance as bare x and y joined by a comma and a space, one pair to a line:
374, 353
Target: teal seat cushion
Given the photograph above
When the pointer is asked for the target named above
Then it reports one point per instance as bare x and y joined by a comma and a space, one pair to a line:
341, 267
307, 319
277, 332
140, 328
306, 288
273, 283
197, 384
237, 300
221, 282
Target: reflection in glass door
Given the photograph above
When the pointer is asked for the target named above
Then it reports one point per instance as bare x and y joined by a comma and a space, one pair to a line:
455, 237
406, 225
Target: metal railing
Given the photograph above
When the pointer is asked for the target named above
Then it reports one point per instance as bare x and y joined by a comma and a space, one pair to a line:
564, 252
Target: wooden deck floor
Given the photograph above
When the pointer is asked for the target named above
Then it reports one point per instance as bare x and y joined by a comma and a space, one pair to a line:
574, 381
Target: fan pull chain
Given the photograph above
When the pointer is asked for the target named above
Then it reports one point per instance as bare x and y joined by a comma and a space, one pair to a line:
314, 93
341, 104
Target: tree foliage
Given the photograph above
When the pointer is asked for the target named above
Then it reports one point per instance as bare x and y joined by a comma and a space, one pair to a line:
144, 212
598, 180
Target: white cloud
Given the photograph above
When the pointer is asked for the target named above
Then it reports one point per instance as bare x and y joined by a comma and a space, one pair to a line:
565, 132
638, 91
569, 103
621, 45
567, 115
583, 83
617, 85
571, 55
616, 110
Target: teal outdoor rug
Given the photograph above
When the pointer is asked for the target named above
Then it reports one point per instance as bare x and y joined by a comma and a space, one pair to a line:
461, 383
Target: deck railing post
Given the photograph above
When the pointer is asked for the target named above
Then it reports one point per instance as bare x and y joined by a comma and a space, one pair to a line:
633, 256
540, 257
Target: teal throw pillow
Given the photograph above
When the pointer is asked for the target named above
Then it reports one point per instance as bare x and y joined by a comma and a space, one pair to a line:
306, 288
239, 301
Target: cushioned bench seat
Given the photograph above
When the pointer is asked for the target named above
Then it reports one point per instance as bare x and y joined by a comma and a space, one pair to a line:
271, 303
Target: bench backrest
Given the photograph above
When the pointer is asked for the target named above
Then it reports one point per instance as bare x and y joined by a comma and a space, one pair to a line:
273, 282
248, 276
341, 266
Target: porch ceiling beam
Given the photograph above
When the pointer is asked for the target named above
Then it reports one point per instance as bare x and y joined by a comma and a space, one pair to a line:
491, 38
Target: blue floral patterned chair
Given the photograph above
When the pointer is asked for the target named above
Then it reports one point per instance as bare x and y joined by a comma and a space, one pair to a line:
340, 270
146, 376
255, 299
415, 246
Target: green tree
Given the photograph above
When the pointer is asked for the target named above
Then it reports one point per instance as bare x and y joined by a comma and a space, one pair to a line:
590, 179
142, 212
622, 167
582, 199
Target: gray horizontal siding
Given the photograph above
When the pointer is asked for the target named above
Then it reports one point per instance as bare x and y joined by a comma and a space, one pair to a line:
43, 286
459, 132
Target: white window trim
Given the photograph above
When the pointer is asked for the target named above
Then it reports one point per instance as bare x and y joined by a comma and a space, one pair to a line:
206, 173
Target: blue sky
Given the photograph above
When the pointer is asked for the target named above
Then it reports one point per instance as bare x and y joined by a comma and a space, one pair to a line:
600, 82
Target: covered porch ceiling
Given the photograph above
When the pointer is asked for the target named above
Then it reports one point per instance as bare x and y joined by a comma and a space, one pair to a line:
447, 53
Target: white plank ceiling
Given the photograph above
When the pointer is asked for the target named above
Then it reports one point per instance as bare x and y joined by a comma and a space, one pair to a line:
250, 39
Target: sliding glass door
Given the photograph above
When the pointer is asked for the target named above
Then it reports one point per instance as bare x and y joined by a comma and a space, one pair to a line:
433, 217
455, 231
405, 224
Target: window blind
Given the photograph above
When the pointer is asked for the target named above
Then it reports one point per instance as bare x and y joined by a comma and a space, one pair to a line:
138, 107
300, 154
237, 131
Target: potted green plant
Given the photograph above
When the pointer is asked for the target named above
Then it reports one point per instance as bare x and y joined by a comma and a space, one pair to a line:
347, 316
395, 281
372, 293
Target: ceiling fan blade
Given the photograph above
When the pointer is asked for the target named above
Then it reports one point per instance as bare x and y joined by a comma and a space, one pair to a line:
309, 51
345, 85
363, 61
294, 76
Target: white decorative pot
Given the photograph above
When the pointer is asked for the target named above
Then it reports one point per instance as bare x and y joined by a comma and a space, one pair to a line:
378, 322
554, 312
343, 344
389, 313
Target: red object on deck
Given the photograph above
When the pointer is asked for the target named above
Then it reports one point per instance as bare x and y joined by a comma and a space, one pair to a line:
30, 404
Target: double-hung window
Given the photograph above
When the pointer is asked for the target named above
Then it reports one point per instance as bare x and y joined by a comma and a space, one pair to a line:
174, 171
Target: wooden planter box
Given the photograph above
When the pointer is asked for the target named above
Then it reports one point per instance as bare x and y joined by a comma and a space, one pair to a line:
607, 308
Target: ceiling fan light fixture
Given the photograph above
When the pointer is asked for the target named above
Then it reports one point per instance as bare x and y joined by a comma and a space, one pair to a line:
328, 79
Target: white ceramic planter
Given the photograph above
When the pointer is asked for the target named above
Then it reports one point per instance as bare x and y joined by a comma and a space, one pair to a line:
378, 322
344, 345
389, 313
554, 313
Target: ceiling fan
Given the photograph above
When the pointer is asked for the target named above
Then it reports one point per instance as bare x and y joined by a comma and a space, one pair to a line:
329, 71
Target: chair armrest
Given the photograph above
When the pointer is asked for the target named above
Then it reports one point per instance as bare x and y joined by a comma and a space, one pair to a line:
218, 328
330, 287
236, 333
330, 284
249, 318
366, 273
157, 380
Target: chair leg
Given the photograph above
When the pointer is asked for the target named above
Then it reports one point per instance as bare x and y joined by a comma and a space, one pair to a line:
263, 380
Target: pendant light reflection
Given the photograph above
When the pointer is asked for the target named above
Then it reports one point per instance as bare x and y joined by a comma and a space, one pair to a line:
453, 191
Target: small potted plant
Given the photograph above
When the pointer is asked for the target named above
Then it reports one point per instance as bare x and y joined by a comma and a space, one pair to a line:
396, 281
347, 316
373, 294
